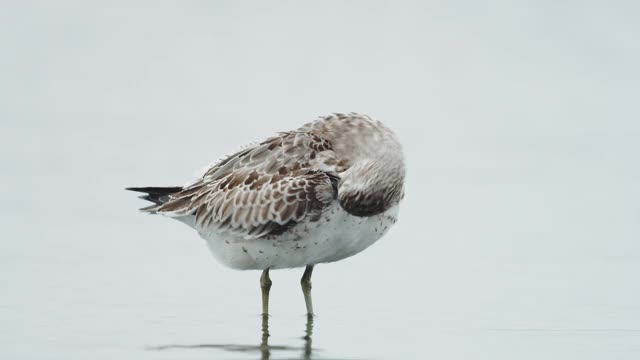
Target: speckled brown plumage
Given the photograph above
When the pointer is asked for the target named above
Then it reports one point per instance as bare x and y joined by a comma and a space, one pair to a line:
267, 188
261, 190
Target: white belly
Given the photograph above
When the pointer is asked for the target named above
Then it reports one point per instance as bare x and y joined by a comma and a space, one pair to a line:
337, 235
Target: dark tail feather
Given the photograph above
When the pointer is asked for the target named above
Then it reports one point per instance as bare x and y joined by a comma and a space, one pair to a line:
157, 195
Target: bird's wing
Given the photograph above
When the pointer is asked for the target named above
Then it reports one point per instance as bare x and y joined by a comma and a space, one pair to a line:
261, 190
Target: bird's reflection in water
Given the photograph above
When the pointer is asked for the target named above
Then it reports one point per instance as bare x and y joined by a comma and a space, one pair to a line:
266, 350
308, 333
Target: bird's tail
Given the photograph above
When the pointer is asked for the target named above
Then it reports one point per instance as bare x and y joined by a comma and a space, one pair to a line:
157, 195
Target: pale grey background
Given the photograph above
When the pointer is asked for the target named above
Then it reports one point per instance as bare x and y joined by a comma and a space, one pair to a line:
518, 238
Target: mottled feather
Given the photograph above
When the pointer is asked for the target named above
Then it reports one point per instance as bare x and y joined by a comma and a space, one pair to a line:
263, 189
321, 193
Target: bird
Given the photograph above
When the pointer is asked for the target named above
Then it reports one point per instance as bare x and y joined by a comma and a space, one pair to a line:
318, 194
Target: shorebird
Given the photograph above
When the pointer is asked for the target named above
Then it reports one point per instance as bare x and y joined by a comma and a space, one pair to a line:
318, 194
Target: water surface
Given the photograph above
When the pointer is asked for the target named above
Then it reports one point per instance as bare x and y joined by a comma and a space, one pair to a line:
517, 239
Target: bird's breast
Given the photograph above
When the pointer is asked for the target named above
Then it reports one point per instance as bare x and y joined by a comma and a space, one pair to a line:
336, 235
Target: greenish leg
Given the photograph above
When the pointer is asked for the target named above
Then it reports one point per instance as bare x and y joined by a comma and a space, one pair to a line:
306, 288
265, 285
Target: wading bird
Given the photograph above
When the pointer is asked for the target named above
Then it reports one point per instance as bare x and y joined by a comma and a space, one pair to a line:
318, 194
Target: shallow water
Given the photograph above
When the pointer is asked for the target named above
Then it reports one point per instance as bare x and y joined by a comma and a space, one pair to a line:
517, 239
145, 287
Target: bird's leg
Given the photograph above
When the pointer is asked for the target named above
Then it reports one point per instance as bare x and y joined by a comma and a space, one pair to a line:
265, 285
306, 288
